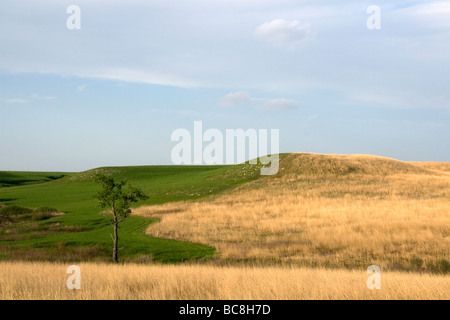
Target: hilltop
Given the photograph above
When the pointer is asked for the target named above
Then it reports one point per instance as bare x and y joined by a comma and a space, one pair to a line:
320, 165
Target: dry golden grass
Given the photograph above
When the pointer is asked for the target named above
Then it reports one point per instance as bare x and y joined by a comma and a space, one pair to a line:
41, 280
338, 214
440, 166
323, 211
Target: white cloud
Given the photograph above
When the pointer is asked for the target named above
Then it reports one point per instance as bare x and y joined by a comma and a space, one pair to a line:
407, 99
234, 98
278, 104
81, 88
435, 13
283, 32
16, 100
240, 97
137, 76
211, 46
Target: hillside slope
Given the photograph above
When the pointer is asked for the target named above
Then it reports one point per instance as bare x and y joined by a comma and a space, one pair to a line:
21, 178
323, 211
320, 165
437, 166
83, 233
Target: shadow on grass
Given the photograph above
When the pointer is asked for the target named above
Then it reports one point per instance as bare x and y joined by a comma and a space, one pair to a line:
4, 200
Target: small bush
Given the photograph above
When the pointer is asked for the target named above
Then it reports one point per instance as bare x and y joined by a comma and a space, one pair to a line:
439, 266
41, 216
18, 214
444, 266
46, 210
416, 263
15, 210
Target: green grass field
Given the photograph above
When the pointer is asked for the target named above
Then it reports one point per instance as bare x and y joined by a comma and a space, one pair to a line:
83, 232
20, 178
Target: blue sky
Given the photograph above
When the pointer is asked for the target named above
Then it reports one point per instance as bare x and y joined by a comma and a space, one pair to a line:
112, 92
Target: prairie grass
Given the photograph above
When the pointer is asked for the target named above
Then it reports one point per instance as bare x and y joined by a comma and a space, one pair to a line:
440, 166
84, 227
44, 280
328, 211
309, 232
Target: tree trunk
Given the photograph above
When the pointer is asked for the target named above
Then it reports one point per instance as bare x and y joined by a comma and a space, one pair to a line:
116, 239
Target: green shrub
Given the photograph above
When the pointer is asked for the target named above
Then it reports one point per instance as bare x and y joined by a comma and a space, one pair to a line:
439, 266
41, 216
416, 263
15, 210
444, 266
22, 214
46, 210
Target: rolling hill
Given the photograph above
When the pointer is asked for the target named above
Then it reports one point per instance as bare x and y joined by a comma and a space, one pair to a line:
339, 211
328, 211
83, 233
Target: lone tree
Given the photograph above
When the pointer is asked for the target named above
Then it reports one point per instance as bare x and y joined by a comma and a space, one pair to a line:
113, 195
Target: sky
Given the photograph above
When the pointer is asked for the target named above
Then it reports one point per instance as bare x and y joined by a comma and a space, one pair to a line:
112, 92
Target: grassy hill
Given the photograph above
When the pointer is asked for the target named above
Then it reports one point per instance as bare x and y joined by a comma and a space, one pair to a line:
438, 166
83, 233
339, 211
21, 178
320, 166
327, 211
308, 232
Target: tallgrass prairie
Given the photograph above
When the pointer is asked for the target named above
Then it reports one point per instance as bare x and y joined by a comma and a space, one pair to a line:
308, 232
329, 211
44, 280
